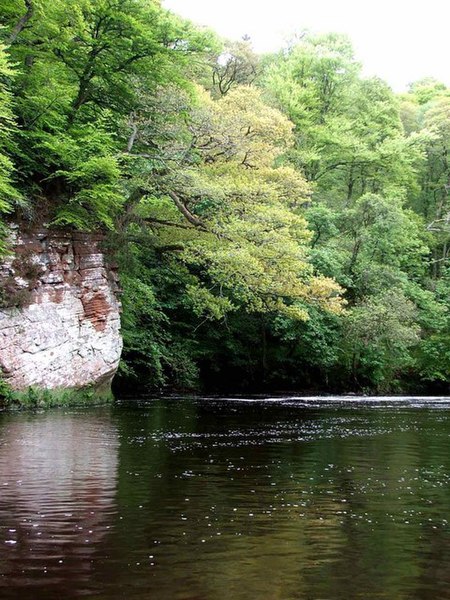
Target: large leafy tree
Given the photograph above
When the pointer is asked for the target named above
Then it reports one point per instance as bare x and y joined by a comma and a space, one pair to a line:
349, 137
81, 67
237, 217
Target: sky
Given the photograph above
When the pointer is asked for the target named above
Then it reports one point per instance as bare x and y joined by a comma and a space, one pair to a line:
400, 41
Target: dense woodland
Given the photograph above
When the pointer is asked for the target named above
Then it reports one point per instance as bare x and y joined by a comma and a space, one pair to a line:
280, 221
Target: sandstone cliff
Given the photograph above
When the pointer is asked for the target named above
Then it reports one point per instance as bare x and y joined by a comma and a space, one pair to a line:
59, 312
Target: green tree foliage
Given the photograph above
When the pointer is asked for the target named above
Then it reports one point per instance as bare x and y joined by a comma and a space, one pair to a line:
279, 221
378, 335
371, 158
236, 65
349, 137
243, 227
7, 131
81, 66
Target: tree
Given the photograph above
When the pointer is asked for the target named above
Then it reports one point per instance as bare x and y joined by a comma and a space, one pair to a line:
236, 65
8, 193
378, 335
82, 66
433, 200
7, 127
349, 138
237, 217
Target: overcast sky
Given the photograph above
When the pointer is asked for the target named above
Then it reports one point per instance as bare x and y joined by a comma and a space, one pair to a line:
398, 40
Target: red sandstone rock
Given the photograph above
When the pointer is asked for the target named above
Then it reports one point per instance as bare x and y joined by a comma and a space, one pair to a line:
64, 331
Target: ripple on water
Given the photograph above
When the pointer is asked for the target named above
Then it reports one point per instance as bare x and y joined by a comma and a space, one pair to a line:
268, 498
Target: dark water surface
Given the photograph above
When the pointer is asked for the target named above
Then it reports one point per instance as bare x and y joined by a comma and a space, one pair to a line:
228, 499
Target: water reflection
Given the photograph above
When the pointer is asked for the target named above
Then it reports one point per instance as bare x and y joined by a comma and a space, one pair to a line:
58, 477
212, 500
270, 501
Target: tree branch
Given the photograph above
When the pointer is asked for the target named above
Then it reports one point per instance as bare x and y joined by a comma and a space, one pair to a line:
155, 221
22, 22
132, 138
193, 219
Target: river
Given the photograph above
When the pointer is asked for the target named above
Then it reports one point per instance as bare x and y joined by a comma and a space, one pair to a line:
228, 499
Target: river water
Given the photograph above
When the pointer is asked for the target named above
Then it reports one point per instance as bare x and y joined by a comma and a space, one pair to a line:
223, 499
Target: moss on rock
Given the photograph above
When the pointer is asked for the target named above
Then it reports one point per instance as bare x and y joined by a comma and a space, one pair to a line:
34, 398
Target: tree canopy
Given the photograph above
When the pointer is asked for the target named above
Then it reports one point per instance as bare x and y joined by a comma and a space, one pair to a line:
279, 221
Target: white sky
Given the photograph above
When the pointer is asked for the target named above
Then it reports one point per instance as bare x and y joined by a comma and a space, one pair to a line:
398, 40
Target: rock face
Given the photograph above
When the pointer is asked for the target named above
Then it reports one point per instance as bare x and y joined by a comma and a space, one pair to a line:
59, 312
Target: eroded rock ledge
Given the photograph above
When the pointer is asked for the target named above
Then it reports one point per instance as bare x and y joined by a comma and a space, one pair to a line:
60, 313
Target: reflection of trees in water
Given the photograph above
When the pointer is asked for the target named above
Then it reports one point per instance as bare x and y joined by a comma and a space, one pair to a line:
57, 484
326, 518
217, 502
